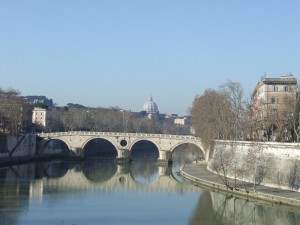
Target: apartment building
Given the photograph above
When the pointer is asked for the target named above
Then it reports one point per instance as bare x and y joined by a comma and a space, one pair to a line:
272, 106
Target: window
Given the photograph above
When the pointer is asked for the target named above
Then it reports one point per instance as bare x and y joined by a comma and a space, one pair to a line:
273, 100
275, 88
286, 88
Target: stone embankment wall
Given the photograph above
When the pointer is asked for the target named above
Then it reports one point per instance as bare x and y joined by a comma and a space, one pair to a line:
17, 146
268, 163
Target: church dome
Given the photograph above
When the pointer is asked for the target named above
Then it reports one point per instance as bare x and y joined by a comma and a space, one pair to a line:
150, 107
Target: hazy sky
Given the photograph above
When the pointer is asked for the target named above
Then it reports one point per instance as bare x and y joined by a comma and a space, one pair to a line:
120, 52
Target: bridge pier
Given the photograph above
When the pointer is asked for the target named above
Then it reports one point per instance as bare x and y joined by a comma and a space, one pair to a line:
123, 155
77, 151
165, 157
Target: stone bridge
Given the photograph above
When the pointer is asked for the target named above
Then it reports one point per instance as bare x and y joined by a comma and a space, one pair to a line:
76, 141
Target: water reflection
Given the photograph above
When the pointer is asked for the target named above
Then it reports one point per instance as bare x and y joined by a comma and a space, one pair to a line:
99, 170
13, 196
54, 169
143, 172
214, 208
53, 182
23, 183
203, 212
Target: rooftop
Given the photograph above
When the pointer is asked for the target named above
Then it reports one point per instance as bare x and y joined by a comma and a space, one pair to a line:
289, 79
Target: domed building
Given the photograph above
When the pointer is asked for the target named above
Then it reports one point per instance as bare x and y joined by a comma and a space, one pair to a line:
150, 107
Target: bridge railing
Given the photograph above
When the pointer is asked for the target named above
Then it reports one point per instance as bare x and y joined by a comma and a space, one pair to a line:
117, 134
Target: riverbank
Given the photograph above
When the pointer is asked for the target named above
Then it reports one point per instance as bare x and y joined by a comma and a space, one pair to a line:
198, 175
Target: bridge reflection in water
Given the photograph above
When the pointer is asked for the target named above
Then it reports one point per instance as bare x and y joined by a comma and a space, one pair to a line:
107, 175
26, 191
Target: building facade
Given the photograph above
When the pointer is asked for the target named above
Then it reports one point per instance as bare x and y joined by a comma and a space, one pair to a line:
39, 117
273, 107
182, 121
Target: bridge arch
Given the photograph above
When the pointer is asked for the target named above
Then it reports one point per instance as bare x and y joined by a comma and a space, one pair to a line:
64, 145
141, 148
199, 147
99, 146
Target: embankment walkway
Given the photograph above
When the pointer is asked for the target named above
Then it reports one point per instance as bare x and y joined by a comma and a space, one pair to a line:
198, 175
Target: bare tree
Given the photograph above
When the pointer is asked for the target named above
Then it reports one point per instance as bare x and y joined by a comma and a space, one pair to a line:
255, 164
222, 163
15, 114
290, 119
238, 105
256, 110
221, 114
210, 116
109, 120
293, 179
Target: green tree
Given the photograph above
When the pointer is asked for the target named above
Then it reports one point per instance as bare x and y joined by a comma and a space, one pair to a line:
40, 105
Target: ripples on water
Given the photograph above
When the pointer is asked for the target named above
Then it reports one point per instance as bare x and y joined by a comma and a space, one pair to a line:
103, 192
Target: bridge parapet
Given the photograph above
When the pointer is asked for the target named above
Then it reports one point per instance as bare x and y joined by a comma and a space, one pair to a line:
118, 134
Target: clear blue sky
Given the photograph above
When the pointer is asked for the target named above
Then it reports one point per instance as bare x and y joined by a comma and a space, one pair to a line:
119, 52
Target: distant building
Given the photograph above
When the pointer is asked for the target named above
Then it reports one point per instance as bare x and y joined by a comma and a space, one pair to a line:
182, 121
39, 99
39, 117
150, 109
272, 100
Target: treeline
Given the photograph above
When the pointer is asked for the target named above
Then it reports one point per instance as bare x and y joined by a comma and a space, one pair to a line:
15, 113
226, 114
110, 120
16, 117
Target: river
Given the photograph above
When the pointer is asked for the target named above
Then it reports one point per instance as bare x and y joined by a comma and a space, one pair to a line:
103, 192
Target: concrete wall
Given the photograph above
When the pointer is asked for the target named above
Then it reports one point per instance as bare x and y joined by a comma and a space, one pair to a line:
27, 146
277, 164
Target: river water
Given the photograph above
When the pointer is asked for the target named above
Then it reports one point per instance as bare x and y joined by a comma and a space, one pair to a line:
103, 192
